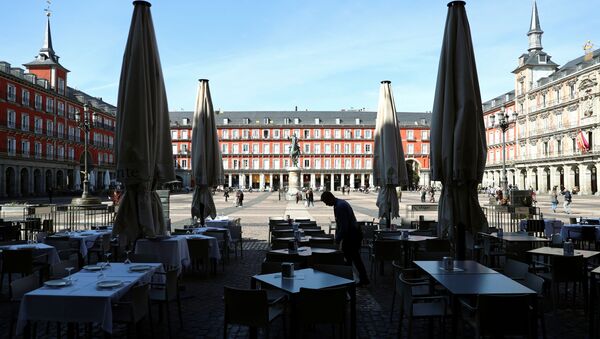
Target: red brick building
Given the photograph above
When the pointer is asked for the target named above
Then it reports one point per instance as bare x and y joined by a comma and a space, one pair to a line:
41, 145
337, 147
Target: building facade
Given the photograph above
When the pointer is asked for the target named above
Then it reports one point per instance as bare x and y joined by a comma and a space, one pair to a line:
41, 144
337, 147
555, 139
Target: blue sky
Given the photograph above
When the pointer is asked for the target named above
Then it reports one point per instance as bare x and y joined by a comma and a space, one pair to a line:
275, 55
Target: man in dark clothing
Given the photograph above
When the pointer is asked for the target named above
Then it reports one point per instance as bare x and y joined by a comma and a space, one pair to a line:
347, 233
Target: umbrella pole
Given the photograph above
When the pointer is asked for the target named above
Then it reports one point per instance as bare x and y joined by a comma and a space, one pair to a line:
202, 221
460, 242
389, 217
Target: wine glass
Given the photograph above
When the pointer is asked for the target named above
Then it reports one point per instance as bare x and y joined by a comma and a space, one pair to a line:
107, 257
69, 269
127, 261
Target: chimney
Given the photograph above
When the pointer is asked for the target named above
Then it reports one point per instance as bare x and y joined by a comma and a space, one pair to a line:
296, 109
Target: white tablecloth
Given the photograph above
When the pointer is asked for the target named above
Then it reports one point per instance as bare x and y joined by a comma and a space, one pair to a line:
53, 257
172, 251
86, 239
200, 230
215, 253
82, 301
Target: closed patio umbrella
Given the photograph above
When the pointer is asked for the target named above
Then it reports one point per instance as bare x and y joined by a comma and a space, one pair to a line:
389, 167
207, 166
458, 146
143, 143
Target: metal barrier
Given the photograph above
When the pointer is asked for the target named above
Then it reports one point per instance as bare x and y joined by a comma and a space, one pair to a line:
71, 217
507, 217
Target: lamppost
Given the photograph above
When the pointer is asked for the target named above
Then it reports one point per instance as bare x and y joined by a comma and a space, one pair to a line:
85, 124
504, 123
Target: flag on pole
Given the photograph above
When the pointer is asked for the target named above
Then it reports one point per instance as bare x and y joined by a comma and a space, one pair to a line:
582, 143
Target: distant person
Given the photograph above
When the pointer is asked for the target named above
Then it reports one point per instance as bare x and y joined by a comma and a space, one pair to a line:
298, 196
343, 190
554, 198
423, 194
50, 194
241, 198
310, 196
347, 234
226, 195
567, 202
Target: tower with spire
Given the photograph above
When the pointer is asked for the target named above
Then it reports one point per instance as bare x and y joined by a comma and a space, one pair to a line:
535, 64
46, 65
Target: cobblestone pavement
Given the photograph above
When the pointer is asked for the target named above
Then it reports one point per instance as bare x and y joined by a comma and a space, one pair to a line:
202, 296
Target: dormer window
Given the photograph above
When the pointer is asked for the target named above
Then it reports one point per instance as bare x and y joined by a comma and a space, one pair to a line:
186, 121
338, 121
286, 121
542, 58
225, 121
357, 121
266, 121
317, 121
296, 121
246, 121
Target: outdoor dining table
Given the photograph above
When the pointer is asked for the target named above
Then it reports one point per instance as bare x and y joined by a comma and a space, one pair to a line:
555, 251
171, 250
408, 245
304, 251
309, 278
38, 248
213, 244
86, 238
469, 278
200, 230
551, 226
573, 231
82, 301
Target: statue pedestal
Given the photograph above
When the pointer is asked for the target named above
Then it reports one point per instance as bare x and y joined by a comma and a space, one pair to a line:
293, 182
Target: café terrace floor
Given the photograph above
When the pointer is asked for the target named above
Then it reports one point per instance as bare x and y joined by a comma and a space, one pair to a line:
202, 301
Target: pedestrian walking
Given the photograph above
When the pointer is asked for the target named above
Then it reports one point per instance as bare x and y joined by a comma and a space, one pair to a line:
311, 197
554, 199
423, 194
241, 198
347, 234
226, 195
567, 202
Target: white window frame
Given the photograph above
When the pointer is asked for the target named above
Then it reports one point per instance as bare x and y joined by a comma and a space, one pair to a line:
11, 118
11, 92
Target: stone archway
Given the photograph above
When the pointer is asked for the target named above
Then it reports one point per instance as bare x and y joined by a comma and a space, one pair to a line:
413, 168
24, 184
523, 183
9, 182
49, 182
60, 178
38, 188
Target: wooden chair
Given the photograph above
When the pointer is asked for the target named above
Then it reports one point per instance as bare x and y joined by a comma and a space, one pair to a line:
65, 246
500, 315
200, 255
58, 270
515, 270
23, 262
133, 308
536, 283
322, 306
251, 308
100, 248
565, 270
19, 288
223, 244
236, 239
384, 250
167, 292
333, 258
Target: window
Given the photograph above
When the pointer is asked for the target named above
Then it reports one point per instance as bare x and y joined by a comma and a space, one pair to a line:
49, 105
265, 134
225, 148
327, 149
245, 148
236, 164
286, 148
368, 148
306, 163
306, 134
60, 108
11, 92
347, 134
337, 134
173, 135
318, 163
184, 163
266, 149
317, 133
368, 134
61, 154
255, 164
61, 86
317, 121
24, 122
357, 133
38, 102
72, 153
246, 121
184, 135
317, 148
225, 164
337, 163
276, 134
245, 164
25, 148
347, 163
337, 149
368, 164
255, 149
255, 134
266, 121
557, 95
25, 98
543, 100
266, 164
296, 121
236, 134
357, 164
411, 149
71, 132
49, 128
358, 148
11, 146
559, 147
225, 121
347, 148
276, 164
410, 134
276, 148
306, 148
38, 150
424, 135
49, 152
425, 149
327, 163
286, 133
38, 125
327, 134
60, 130
286, 163
572, 91
11, 118
338, 121
357, 121
286, 121
245, 134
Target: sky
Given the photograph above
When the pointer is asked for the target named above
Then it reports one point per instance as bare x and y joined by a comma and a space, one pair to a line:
271, 55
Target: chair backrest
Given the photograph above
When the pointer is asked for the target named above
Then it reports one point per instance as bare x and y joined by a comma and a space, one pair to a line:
198, 248
246, 307
333, 258
267, 267
172, 283
24, 285
515, 269
317, 232
557, 240
282, 234
216, 234
534, 282
387, 249
278, 257
503, 315
535, 226
235, 231
17, 261
322, 306
58, 270
139, 301
588, 233
565, 269
143, 258
277, 244
343, 271
322, 243
105, 242
438, 245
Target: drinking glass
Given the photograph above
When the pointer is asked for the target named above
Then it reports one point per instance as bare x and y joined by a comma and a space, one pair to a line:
127, 261
107, 257
69, 269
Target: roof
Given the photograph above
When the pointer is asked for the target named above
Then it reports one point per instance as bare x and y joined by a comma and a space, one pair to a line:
305, 117
46, 56
571, 67
499, 100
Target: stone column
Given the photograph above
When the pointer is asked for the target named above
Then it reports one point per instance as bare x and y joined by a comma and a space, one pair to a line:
352, 181
18, 181
542, 180
322, 181
313, 180
342, 183
554, 177
230, 179
271, 180
242, 180
332, 183
569, 177
301, 180
362, 180
371, 180
262, 181
585, 179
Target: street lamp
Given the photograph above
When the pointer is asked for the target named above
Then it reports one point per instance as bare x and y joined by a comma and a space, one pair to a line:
85, 124
503, 123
